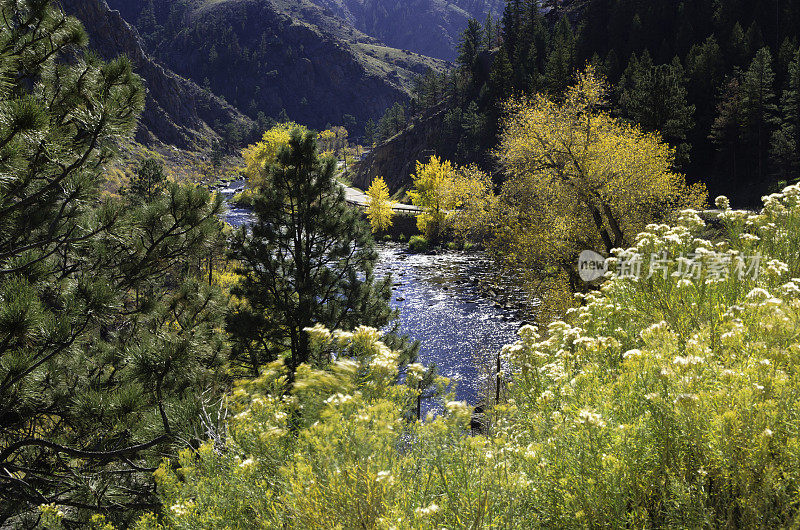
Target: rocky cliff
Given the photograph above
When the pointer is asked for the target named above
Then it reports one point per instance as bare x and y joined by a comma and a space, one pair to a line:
395, 160
178, 111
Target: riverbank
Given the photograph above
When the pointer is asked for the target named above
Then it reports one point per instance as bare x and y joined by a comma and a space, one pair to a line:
454, 302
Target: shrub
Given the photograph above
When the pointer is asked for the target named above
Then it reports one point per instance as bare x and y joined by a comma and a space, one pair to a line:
673, 400
316, 457
663, 401
418, 244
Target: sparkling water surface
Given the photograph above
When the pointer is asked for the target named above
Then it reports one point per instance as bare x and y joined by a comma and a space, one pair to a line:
447, 302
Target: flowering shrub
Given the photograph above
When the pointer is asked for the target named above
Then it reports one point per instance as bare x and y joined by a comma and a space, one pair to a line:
664, 400
672, 398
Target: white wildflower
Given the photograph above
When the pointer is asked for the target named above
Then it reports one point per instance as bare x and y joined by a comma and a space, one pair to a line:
384, 476
180, 509
632, 353
689, 360
588, 417
686, 399
427, 511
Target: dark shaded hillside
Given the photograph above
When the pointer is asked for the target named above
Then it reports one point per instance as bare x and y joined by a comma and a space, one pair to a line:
396, 158
275, 57
178, 111
720, 81
429, 27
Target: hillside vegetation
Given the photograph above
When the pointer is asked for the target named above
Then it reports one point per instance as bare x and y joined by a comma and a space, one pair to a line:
718, 80
290, 57
177, 111
428, 27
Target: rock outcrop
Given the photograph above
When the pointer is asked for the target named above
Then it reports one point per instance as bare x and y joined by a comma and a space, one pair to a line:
178, 112
395, 160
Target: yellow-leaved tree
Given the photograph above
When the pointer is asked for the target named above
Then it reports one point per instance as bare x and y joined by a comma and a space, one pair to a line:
333, 139
326, 140
380, 209
471, 204
454, 198
578, 178
258, 156
432, 193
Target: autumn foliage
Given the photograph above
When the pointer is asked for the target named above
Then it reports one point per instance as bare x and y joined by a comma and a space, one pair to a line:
380, 209
260, 155
577, 179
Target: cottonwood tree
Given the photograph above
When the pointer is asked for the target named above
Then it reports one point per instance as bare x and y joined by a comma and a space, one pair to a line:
380, 209
107, 336
579, 179
431, 192
307, 259
263, 153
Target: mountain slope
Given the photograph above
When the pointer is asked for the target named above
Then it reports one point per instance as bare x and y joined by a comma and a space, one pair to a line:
277, 55
428, 27
178, 112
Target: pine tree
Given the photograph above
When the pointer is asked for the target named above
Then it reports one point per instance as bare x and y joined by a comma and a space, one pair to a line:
529, 44
472, 42
738, 53
727, 130
108, 333
490, 32
307, 259
786, 141
655, 97
760, 110
560, 66
148, 179
370, 132
512, 27
637, 37
502, 77
705, 68
397, 118
754, 38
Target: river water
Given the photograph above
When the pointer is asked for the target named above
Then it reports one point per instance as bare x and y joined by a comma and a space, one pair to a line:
452, 302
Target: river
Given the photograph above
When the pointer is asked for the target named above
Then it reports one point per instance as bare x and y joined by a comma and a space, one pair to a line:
449, 302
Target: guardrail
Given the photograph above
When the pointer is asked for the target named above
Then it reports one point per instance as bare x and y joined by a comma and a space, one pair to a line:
403, 208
